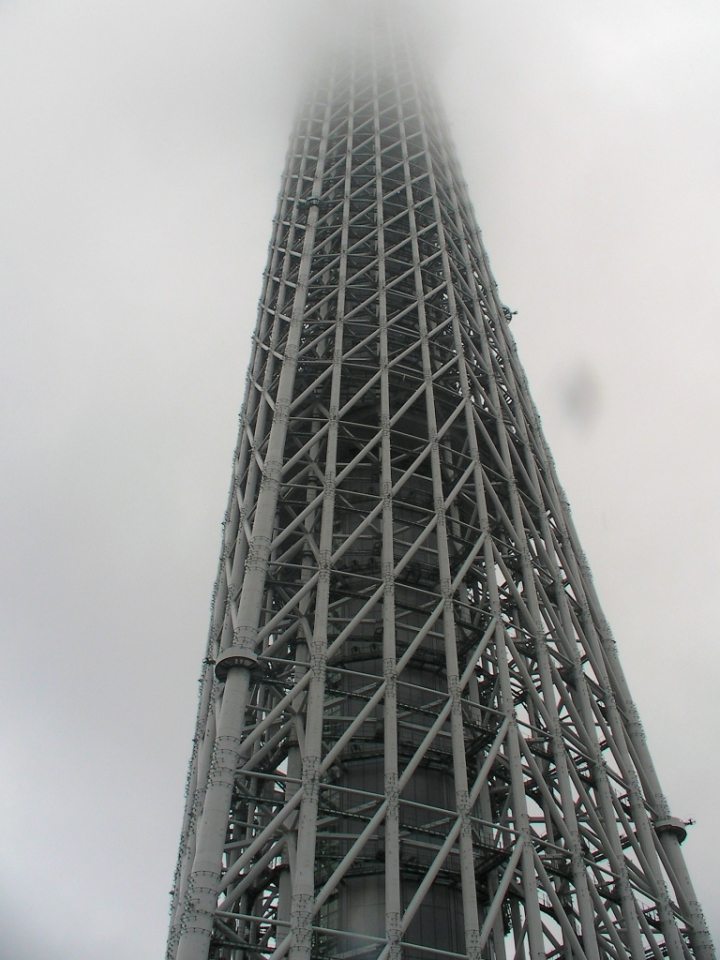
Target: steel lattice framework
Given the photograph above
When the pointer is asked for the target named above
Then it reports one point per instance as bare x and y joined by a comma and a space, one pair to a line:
414, 737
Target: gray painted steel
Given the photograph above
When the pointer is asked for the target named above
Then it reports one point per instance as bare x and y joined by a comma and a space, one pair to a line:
414, 737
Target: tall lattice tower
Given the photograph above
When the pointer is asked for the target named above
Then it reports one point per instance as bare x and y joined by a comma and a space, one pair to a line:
414, 738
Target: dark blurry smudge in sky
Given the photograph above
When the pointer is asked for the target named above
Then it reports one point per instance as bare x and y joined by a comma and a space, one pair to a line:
580, 394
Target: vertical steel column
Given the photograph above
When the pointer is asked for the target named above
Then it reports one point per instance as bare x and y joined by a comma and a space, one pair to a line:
666, 827
204, 882
235, 516
621, 730
533, 924
469, 895
533, 921
303, 897
393, 887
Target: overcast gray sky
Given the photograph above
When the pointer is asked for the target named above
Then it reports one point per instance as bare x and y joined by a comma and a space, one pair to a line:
142, 144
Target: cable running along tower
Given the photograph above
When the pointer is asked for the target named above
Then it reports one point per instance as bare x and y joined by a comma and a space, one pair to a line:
414, 738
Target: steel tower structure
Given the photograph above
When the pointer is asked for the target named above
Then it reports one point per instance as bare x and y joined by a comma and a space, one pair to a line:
414, 738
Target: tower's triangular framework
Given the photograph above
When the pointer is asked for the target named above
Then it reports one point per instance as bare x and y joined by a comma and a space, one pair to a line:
414, 738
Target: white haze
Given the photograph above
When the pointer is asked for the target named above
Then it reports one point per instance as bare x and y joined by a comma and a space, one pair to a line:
140, 158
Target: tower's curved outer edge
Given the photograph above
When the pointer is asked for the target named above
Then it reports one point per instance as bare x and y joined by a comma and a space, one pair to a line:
414, 737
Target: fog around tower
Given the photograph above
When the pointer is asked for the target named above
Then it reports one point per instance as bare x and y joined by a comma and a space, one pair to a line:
142, 151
